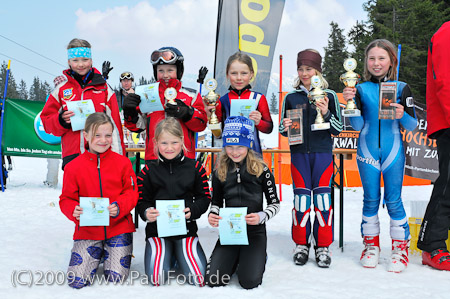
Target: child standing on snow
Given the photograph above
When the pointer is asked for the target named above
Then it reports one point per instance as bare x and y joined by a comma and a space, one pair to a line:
380, 149
173, 176
312, 162
82, 82
240, 72
168, 68
240, 179
100, 172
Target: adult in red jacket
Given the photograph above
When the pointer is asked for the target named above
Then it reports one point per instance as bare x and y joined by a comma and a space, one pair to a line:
168, 69
436, 221
83, 82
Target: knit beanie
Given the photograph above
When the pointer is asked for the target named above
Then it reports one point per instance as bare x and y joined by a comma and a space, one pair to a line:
310, 58
238, 130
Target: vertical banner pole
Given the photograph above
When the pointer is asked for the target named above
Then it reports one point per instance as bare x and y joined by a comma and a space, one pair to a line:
399, 52
2, 114
279, 121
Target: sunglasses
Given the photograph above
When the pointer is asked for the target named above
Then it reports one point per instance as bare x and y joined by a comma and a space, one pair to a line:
167, 56
126, 76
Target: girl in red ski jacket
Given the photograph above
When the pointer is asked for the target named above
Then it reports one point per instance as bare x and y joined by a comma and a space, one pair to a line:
82, 82
100, 172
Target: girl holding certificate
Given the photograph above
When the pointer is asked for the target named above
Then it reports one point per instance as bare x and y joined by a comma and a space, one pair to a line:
311, 161
241, 100
240, 180
106, 181
83, 86
380, 149
172, 176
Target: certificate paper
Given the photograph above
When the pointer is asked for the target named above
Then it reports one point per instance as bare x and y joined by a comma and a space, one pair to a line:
82, 110
150, 100
242, 107
232, 226
95, 211
388, 95
171, 220
295, 131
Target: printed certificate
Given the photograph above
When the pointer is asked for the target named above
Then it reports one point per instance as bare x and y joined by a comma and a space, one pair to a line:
232, 226
150, 100
82, 110
171, 220
95, 211
388, 95
295, 131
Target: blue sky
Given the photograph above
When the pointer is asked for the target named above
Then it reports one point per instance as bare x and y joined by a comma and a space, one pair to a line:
126, 32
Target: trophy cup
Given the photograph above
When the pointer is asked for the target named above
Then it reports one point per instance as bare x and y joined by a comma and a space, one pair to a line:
350, 79
314, 96
170, 94
211, 99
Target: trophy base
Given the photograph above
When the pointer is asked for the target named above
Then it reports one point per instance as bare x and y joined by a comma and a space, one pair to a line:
322, 126
216, 129
351, 112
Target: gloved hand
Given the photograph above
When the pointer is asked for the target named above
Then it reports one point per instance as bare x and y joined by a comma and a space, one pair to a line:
130, 104
180, 110
202, 74
106, 69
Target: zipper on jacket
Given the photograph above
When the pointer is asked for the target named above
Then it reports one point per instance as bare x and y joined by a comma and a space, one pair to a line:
100, 183
379, 133
239, 183
238, 174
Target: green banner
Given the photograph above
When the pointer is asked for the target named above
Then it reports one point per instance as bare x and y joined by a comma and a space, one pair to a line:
23, 133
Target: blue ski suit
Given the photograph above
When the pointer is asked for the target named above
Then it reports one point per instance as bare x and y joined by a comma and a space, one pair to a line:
380, 150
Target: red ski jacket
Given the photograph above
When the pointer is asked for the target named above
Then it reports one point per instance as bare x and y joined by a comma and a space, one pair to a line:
104, 99
196, 124
438, 81
105, 175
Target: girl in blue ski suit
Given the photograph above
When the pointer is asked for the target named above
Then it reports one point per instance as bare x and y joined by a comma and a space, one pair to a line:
380, 150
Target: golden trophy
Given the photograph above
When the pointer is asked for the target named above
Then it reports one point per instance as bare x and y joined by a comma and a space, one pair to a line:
211, 100
350, 79
314, 96
170, 94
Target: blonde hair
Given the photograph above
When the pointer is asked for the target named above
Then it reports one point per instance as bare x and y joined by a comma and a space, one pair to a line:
95, 120
255, 165
168, 125
298, 81
390, 49
78, 42
241, 57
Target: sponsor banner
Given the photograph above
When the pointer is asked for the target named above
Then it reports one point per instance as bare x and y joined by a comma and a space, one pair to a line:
23, 133
421, 152
252, 27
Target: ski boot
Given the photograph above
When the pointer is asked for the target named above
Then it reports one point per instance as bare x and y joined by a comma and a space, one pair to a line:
438, 259
323, 257
399, 257
301, 254
371, 252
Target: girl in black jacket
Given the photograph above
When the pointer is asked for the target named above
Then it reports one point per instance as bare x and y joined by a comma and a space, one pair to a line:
240, 180
173, 176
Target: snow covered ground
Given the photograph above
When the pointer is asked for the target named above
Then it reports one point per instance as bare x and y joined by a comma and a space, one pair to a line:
37, 239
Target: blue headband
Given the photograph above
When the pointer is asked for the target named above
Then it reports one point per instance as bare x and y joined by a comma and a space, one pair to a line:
79, 52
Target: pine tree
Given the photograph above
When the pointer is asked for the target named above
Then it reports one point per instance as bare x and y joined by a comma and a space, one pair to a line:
22, 90
35, 89
11, 92
335, 54
359, 37
410, 23
273, 107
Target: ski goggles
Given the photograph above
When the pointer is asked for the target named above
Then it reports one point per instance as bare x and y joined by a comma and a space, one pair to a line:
167, 56
126, 75
79, 52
